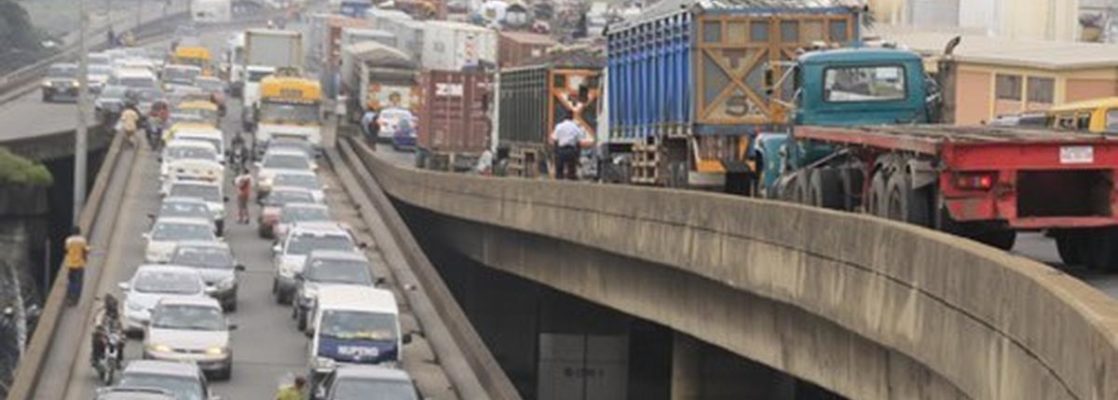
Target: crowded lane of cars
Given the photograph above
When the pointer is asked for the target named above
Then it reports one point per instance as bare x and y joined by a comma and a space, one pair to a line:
199, 290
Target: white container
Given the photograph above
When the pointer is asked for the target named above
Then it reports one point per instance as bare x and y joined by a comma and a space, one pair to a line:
453, 45
274, 48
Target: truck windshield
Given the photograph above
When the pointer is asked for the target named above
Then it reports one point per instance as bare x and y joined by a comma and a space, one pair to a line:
358, 325
859, 84
289, 113
256, 76
181, 75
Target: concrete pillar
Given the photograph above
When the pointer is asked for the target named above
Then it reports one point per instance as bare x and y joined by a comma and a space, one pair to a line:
686, 368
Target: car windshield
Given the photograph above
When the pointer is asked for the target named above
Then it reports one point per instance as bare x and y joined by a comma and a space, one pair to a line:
184, 209
358, 325
114, 92
167, 282
62, 71
291, 144
149, 94
280, 197
178, 231
858, 84
203, 257
256, 76
208, 193
183, 387
100, 70
180, 75
216, 141
307, 181
304, 214
286, 161
201, 113
303, 244
338, 271
137, 82
359, 389
289, 113
190, 152
210, 85
188, 317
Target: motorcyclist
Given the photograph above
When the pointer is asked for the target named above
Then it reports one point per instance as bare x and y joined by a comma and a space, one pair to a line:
107, 321
238, 153
157, 122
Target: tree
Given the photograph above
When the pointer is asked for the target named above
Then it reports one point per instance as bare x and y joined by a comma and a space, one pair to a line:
16, 31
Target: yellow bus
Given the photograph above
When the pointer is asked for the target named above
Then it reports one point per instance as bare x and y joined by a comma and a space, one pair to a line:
290, 106
194, 55
1097, 116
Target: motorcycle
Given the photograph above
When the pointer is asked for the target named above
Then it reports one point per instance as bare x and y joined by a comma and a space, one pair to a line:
237, 158
109, 363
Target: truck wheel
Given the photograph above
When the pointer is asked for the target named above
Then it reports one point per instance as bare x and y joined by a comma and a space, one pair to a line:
825, 188
905, 204
1099, 249
1070, 246
1001, 239
876, 204
851, 181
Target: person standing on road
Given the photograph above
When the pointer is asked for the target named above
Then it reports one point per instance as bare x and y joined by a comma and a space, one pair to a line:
77, 254
369, 125
293, 392
243, 182
567, 137
129, 122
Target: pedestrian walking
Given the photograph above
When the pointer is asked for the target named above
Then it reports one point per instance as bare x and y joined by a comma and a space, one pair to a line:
243, 182
129, 122
294, 391
567, 138
77, 255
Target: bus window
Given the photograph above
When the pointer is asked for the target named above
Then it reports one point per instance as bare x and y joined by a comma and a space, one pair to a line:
1112, 120
1083, 122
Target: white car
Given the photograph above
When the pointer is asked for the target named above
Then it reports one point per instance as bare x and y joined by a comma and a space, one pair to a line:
296, 213
134, 78
291, 254
166, 233
209, 192
185, 149
276, 161
307, 180
153, 283
178, 76
190, 329
201, 133
98, 76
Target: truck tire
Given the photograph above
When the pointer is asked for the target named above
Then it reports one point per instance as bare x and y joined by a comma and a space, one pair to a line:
876, 204
1100, 252
825, 188
906, 204
852, 180
1001, 239
1070, 246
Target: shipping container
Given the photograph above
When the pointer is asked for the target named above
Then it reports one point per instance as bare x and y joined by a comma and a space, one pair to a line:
454, 121
532, 99
686, 82
409, 36
378, 76
357, 35
515, 47
451, 46
274, 48
334, 40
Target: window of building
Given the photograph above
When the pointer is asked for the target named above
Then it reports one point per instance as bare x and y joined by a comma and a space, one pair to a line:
1008, 87
1041, 90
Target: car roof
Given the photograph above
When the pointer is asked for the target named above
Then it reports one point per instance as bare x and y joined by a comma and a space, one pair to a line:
319, 227
184, 142
307, 205
183, 220
134, 393
197, 183
182, 66
358, 298
185, 369
199, 130
202, 243
285, 152
183, 199
304, 172
290, 189
372, 372
166, 268
199, 301
337, 255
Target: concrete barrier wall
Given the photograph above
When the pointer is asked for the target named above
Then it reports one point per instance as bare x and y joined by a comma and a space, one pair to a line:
992, 324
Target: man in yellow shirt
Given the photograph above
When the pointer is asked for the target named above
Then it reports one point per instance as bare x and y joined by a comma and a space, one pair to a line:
293, 392
77, 253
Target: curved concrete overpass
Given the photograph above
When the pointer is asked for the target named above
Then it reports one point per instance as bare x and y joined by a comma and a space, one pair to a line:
865, 307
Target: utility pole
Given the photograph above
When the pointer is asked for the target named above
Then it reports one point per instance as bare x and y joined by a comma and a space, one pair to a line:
83, 107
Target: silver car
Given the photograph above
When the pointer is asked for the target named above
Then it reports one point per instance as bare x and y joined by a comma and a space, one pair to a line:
153, 283
219, 269
323, 270
362, 382
191, 329
185, 380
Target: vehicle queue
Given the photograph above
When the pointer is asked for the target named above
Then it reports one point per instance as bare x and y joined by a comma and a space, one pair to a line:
177, 302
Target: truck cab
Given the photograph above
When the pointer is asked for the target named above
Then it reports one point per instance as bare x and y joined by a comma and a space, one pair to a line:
846, 87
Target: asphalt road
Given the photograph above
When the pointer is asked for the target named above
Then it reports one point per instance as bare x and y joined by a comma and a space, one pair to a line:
1038, 247
268, 351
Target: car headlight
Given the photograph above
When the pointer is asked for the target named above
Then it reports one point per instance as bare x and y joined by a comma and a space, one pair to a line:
216, 351
159, 348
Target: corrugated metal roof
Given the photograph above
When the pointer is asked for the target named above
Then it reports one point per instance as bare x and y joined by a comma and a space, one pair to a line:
528, 37
572, 57
668, 7
979, 49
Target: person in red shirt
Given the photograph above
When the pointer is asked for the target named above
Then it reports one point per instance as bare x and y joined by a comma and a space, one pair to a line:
243, 183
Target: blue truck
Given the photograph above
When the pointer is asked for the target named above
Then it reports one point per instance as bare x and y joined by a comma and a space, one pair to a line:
686, 86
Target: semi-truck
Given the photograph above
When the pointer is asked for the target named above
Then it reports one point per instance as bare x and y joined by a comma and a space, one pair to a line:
863, 140
454, 119
379, 77
534, 97
686, 89
267, 50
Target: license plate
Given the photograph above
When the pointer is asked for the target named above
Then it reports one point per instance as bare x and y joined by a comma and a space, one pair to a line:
1077, 155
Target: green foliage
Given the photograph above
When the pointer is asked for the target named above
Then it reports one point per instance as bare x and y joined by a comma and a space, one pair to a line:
17, 34
21, 171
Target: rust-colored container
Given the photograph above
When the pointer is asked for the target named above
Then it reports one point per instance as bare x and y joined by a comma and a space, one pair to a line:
455, 115
514, 47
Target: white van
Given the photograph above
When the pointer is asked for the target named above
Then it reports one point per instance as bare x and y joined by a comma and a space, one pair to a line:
200, 133
354, 325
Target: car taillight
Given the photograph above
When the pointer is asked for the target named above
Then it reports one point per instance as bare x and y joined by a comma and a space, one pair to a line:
975, 180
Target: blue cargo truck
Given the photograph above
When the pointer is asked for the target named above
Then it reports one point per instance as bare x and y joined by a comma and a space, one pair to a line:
686, 86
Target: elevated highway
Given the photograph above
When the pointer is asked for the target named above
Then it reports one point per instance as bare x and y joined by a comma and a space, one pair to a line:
867, 308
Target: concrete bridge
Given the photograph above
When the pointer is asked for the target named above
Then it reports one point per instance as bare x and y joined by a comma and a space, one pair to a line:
868, 308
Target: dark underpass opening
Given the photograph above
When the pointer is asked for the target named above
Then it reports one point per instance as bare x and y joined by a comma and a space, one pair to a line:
554, 345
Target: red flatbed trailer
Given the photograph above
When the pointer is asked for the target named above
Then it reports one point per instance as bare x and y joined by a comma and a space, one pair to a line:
976, 180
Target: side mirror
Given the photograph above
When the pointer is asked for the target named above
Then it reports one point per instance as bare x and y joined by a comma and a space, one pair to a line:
277, 248
380, 281
124, 286
407, 338
225, 199
239, 268
362, 245
151, 216
232, 327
